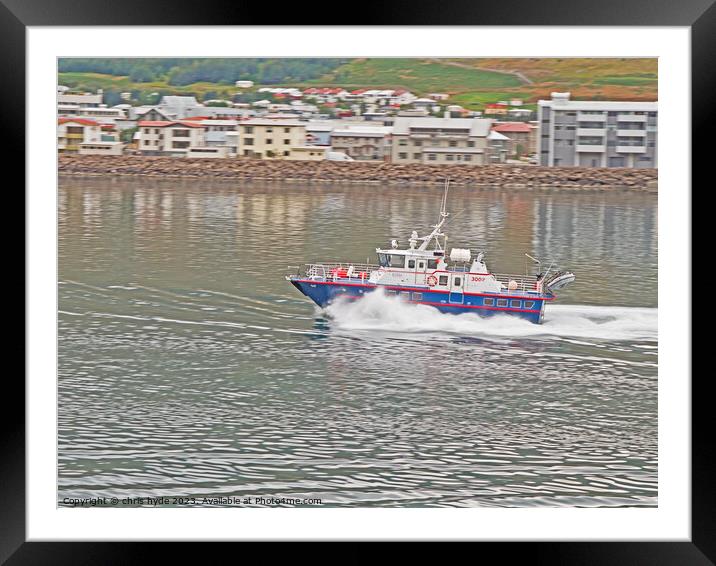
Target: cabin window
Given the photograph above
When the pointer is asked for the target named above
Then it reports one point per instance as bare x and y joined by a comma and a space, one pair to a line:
457, 281
515, 304
488, 302
417, 296
432, 264
392, 292
391, 260
529, 304
501, 302
411, 263
443, 280
397, 260
421, 265
405, 294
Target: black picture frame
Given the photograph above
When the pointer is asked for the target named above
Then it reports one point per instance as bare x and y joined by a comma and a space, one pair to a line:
699, 15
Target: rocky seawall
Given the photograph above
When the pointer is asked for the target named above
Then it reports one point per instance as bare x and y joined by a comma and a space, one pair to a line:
526, 177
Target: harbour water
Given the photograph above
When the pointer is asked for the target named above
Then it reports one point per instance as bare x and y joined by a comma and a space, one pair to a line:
188, 366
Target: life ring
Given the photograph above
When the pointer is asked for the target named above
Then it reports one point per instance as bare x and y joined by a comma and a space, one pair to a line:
432, 281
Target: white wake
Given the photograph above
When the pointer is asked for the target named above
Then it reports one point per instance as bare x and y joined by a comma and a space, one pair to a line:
379, 312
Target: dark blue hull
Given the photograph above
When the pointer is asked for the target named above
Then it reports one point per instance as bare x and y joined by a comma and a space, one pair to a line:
527, 306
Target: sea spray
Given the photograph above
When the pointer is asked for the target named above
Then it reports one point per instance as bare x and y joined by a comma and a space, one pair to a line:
378, 312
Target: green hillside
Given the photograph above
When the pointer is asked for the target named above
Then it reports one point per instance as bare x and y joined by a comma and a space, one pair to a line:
418, 75
470, 82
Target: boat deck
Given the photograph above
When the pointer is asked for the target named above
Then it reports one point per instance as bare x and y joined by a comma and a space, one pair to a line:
338, 273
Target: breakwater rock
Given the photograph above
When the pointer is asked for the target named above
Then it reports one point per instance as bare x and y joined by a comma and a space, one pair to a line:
489, 176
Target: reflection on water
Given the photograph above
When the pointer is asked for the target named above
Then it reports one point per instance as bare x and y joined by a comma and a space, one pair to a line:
188, 366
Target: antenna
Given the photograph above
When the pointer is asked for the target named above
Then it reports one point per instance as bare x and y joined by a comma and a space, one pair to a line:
436, 233
443, 203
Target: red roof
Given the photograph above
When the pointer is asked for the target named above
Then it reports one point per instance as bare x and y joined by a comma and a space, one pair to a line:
496, 105
83, 121
512, 127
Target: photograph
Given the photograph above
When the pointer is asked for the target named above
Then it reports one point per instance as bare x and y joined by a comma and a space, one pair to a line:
408, 281
357, 282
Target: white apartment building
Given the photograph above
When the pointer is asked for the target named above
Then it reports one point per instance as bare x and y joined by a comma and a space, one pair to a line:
169, 138
270, 139
363, 143
597, 133
82, 100
441, 140
92, 112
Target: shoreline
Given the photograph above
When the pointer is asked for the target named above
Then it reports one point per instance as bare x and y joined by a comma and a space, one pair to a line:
507, 177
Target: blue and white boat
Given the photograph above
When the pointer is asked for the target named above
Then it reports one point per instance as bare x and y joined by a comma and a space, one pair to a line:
452, 283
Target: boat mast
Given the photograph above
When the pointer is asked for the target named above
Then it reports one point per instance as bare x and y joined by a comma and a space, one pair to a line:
436, 233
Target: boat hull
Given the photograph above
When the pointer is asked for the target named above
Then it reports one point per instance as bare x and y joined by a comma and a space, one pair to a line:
323, 292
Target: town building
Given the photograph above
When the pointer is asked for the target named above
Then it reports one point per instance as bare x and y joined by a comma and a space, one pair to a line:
496, 109
519, 113
270, 139
318, 132
114, 147
220, 112
73, 132
498, 146
363, 143
149, 113
597, 133
208, 152
92, 112
81, 99
169, 138
178, 106
218, 133
308, 153
413, 113
521, 134
427, 103
441, 140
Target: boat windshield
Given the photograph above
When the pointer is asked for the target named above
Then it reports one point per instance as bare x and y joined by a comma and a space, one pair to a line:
391, 260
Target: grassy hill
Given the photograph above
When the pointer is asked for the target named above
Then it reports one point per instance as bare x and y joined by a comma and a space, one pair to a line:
470, 82
417, 75
587, 79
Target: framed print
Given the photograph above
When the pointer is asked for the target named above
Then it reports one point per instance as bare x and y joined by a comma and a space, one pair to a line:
212, 357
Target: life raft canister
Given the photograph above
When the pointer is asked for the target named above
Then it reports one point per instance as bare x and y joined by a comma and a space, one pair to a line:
432, 281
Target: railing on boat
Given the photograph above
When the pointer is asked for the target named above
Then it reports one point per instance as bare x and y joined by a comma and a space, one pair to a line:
525, 283
361, 272
335, 271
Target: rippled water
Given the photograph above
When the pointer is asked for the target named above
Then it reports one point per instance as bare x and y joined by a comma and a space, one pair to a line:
189, 367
